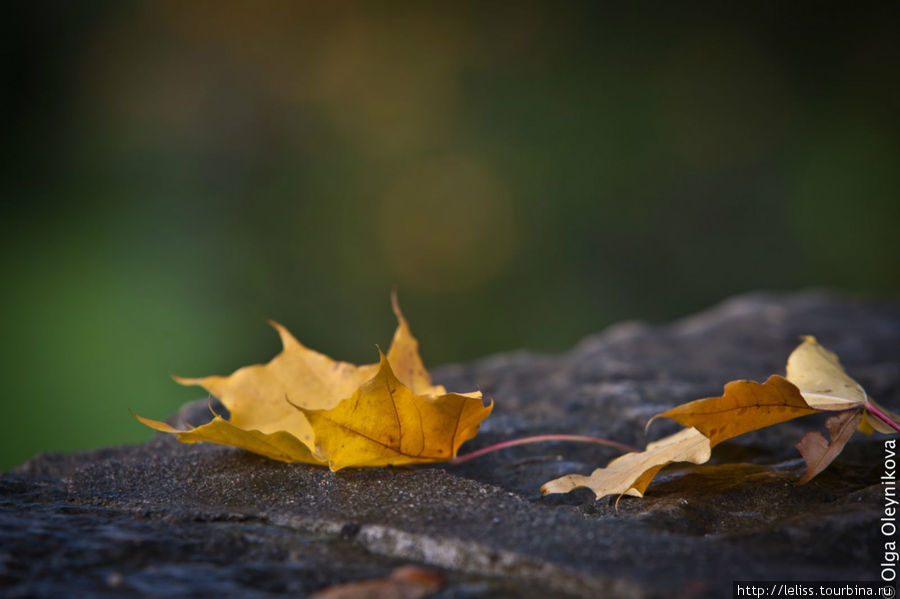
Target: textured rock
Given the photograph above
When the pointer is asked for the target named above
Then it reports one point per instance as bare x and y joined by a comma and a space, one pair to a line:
165, 519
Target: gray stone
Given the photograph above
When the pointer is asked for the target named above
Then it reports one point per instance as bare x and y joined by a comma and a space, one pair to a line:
165, 519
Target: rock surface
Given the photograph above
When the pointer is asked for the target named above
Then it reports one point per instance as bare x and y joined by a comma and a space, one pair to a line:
164, 519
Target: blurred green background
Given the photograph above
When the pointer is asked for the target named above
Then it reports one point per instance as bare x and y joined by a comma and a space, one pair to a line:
524, 173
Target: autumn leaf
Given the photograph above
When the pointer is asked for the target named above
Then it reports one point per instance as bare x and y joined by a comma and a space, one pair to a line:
630, 474
743, 407
269, 406
825, 385
815, 382
278, 445
385, 423
821, 379
817, 452
405, 582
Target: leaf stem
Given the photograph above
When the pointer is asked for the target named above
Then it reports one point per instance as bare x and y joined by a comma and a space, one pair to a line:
876, 411
540, 439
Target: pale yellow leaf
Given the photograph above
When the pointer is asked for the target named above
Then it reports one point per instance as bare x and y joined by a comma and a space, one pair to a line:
630, 474
825, 385
821, 379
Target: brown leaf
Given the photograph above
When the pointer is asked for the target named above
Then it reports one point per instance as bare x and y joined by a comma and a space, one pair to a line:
817, 452
406, 582
816, 381
743, 407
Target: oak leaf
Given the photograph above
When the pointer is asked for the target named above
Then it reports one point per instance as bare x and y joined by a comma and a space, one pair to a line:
630, 474
825, 385
285, 409
405, 582
814, 382
743, 407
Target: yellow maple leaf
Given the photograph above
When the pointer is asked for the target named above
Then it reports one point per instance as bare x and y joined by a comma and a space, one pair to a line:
271, 406
385, 423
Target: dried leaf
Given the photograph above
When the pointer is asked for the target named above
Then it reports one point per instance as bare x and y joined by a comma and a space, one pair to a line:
815, 382
405, 361
279, 445
630, 474
385, 423
406, 582
744, 406
821, 379
819, 453
825, 385
263, 401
